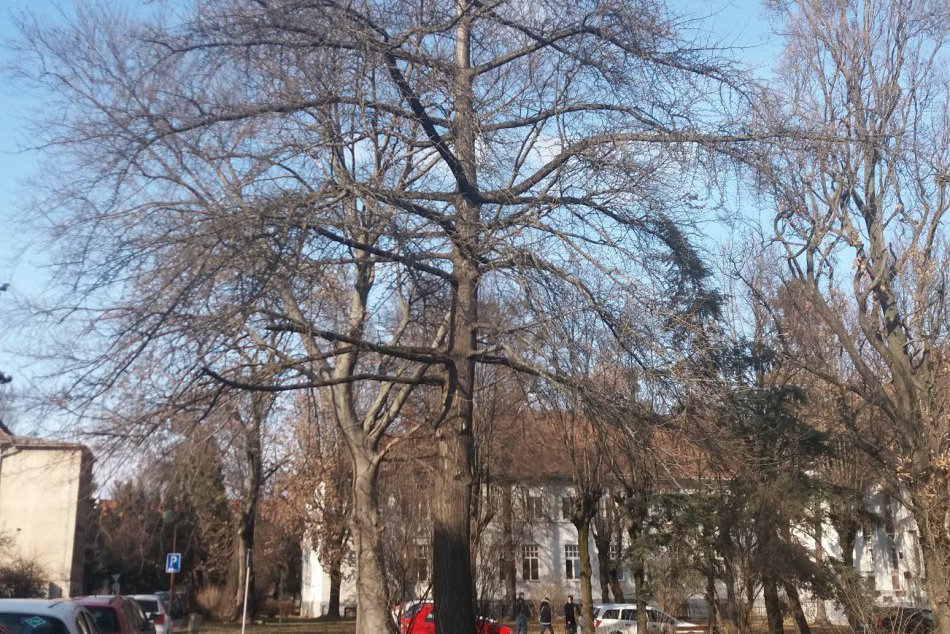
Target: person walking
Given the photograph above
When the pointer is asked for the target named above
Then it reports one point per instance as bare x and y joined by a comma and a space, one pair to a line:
521, 611
570, 615
544, 614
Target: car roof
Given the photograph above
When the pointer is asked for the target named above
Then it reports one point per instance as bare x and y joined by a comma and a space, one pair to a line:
56, 607
99, 599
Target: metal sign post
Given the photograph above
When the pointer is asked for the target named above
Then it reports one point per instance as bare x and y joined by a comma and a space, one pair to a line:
172, 560
247, 584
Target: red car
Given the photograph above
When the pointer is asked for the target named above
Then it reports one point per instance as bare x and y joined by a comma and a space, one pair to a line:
420, 619
116, 615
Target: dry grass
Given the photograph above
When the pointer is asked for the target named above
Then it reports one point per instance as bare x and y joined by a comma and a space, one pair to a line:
289, 626
348, 626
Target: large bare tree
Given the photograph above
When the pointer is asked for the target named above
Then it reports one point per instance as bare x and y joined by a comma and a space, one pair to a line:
341, 181
861, 203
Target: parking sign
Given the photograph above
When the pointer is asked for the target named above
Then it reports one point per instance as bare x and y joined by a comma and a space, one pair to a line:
173, 563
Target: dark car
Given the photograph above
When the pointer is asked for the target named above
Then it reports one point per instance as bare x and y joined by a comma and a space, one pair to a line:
905, 620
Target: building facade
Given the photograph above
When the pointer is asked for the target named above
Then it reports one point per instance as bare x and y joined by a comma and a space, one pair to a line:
45, 502
886, 554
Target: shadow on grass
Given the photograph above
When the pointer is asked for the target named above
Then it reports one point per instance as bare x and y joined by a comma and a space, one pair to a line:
321, 625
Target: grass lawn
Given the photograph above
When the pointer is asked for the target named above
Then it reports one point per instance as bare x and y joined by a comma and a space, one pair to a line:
348, 626
289, 626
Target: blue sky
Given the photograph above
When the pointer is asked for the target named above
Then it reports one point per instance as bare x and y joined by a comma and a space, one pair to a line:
738, 23
19, 255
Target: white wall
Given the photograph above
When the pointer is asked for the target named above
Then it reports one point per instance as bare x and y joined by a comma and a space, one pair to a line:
315, 586
902, 584
39, 497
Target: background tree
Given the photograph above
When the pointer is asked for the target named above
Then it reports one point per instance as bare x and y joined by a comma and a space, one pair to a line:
248, 419
191, 481
20, 577
861, 196
131, 542
313, 492
771, 493
846, 473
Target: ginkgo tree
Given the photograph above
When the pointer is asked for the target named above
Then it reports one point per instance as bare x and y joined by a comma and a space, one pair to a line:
343, 183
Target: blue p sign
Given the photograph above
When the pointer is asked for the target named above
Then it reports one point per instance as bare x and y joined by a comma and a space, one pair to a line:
173, 563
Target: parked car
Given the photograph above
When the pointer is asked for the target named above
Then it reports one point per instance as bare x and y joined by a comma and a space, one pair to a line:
116, 614
140, 618
621, 618
156, 612
45, 616
179, 607
901, 620
420, 619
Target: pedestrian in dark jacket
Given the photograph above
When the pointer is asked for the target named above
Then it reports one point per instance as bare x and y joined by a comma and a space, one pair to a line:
521, 613
545, 616
570, 615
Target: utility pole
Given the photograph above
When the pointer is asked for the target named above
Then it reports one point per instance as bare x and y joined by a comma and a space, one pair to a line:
169, 517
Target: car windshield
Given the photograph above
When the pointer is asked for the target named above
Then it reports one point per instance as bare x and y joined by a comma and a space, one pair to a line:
32, 624
106, 619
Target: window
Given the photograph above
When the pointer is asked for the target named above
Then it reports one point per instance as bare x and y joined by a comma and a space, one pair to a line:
106, 618
572, 562
419, 564
616, 558
28, 623
534, 507
655, 616
567, 508
529, 562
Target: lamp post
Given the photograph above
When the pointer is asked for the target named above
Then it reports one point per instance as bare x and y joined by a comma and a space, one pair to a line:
169, 517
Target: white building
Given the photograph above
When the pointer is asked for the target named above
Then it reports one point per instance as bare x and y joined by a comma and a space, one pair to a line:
546, 550
45, 491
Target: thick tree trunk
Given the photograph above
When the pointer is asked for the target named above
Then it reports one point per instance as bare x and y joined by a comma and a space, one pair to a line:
615, 586
747, 606
732, 598
508, 546
453, 590
773, 606
636, 506
251, 490
602, 544
372, 615
245, 543
582, 523
451, 557
336, 580
712, 602
847, 538
797, 612
639, 578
